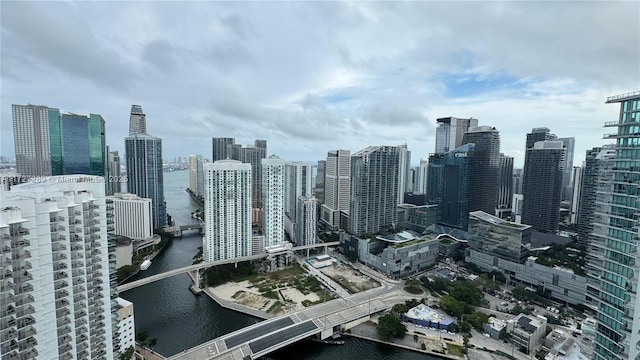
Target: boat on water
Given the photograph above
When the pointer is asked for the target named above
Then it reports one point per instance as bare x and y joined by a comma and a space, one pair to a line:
145, 265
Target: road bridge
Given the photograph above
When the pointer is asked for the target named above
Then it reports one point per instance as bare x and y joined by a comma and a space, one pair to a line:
270, 335
204, 265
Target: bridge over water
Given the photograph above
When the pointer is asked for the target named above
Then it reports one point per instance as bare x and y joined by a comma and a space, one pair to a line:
270, 335
204, 265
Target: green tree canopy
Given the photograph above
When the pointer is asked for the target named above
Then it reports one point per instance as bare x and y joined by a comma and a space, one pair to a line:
390, 326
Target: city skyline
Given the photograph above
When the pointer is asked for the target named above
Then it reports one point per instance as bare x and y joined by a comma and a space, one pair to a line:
374, 74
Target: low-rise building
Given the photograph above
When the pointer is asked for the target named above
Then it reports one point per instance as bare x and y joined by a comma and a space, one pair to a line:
494, 328
396, 255
559, 283
425, 316
527, 331
124, 250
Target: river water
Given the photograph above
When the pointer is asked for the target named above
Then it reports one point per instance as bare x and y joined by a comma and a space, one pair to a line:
179, 320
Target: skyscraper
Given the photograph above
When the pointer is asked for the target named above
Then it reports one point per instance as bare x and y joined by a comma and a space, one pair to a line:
450, 131
486, 166
542, 185
50, 143
137, 121
404, 181
305, 227
226, 148
318, 190
337, 188
298, 182
227, 210
569, 144
144, 166
31, 139
538, 134
374, 186
114, 179
595, 158
576, 188
613, 251
450, 177
56, 286
421, 177
505, 187
220, 148
273, 180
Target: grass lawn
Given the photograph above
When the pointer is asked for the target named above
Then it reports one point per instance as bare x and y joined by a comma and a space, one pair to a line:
455, 350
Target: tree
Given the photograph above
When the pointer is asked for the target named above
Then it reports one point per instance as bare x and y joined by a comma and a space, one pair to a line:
127, 354
399, 309
466, 292
390, 326
477, 320
452, 306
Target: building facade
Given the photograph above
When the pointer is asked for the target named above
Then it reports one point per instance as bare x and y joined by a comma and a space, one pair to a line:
374, 186
494, 236
306, 223
569, 145
576, 189
273, 190
505, 187
115, 179
542, 185
126, 325
613, 252
450, 131
31, 139
404, 169
337, 187
56, 286
227, 210
132, 216
486, 165
450, 176
137, 121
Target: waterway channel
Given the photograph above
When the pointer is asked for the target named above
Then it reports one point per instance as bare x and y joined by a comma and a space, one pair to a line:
179, 320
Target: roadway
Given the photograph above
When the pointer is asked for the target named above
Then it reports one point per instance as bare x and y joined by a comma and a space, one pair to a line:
204, 265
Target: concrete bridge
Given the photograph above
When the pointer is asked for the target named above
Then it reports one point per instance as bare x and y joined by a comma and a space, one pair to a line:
270, 335
204, 265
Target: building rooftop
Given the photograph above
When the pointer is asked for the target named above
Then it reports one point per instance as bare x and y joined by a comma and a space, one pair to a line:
529, 324
423, 312
496, 220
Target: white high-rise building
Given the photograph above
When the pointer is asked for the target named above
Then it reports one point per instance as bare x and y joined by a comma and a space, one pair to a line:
306, 224
337, 187
273, 200
450, 131
404, 165
56, 287
31, 139
132, 216
421, 177
193, 168
227, 210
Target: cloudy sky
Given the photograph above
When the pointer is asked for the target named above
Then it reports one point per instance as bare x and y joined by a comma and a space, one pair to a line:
313, 76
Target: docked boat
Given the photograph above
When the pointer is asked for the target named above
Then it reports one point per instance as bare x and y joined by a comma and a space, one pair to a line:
145, 265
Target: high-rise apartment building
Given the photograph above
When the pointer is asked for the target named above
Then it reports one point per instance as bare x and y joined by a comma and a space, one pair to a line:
420, 185
318, 190
193, 179
486, 166
612, 260
31, 139
226, 148
538, 134
450, 176
144, 166
569, 145
137, 121
542, 185
50, 143
337, 188
56, 278
374, 186
227, 210
505, 187
450, 131
576, 188
305, 227
114, 178
517, 181
220, 149
594, 159
298, 182
273, 180
404, 167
